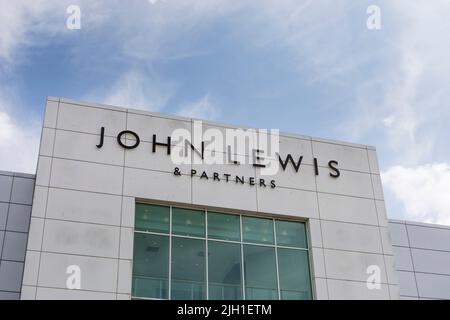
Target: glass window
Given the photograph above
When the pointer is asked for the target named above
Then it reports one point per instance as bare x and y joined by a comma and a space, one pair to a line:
152, 218
260, 273
293, 268
257, 230
224, 265
151, 266
188, 269
291, 234
188, 222
241, 262
223, 226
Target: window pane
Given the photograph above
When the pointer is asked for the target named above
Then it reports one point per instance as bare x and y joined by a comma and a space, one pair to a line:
257, 230
188, 269
293, 266
260, 273
223, 226
188, 222
152, 218
151, 266
292, 234
224, 265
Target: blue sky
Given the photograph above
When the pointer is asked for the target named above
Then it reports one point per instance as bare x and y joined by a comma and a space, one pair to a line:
310, 67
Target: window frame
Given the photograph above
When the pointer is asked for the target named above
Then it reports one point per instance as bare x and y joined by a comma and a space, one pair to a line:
241, 242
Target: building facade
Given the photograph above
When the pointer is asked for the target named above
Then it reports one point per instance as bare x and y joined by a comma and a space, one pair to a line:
422, 254
129, 204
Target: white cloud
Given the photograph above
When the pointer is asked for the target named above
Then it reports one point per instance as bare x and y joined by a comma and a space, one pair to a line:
397, 77
16, 20
169, 29
423, 191
19, 140
26, 23
388, 121
407, 99
200, 109
135, 89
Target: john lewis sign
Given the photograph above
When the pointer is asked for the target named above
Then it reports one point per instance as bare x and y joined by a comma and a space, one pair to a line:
237, 148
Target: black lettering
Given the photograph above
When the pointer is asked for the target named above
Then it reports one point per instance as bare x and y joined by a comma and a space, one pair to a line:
188, 144
272, 184
123, 145
229, 156
204, 175
160, 144
262, 183
251, 181
316, 167
227, 176
102, 137
193, 172
336, 173
239, 179
257, 158
216, 176
290, 159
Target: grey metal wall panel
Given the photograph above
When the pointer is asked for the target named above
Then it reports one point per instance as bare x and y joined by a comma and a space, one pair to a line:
10, 276
16, 196
22, 190
398, 234
433, 286
3, 215
18, 218
2, 234
403, 259
9, 295
14, 246
429, 237
431, 261
5, 188
425, 253
407, 283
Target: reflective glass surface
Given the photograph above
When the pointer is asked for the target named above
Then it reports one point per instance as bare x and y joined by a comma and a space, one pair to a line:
224, 262
257, 230
260, 273
183, 260
151, 266
188, 269
188, 222
293, 267
152, 218
223, 226
291, 234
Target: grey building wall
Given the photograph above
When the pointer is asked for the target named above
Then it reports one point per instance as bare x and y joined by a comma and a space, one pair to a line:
422, 254
83, 211
16, 195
